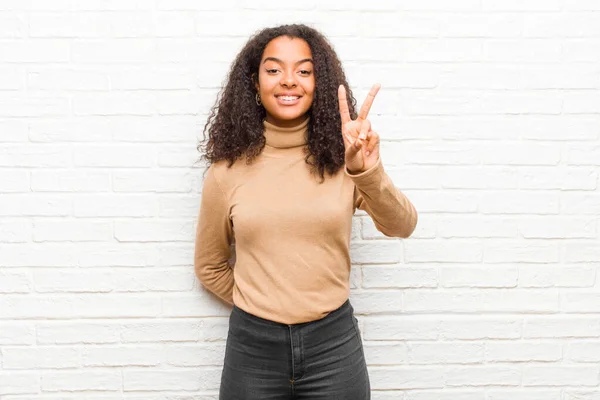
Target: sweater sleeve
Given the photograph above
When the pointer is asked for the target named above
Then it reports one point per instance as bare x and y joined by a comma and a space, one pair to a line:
214, 235
391, 211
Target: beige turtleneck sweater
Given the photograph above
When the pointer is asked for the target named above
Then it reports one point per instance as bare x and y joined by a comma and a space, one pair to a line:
292, 233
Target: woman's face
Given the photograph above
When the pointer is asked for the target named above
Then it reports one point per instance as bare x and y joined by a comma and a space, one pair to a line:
286, 81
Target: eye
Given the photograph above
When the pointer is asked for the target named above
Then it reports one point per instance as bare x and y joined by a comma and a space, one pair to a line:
271, 71
305, 72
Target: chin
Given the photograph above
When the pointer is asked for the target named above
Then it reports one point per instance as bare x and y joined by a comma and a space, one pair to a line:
289, 116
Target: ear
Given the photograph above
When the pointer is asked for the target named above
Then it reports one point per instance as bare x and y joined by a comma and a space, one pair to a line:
255, 80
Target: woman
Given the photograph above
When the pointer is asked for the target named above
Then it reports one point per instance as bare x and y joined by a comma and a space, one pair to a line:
289, 162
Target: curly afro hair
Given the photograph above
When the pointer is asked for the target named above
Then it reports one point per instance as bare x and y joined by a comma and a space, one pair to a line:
235, 123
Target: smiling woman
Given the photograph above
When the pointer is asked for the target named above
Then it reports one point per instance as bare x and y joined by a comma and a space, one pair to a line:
286, 82
289, 163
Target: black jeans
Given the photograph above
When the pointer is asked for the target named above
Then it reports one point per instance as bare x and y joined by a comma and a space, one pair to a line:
322, 359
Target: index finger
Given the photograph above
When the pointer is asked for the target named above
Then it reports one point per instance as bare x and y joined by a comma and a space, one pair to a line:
343, 102
366, 107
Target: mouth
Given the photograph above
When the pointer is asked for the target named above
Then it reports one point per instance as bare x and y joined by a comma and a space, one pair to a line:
287, 100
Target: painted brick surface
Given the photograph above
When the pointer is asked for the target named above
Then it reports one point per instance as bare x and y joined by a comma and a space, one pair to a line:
489, 115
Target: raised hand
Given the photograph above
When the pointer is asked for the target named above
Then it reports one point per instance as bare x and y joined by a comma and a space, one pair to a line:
361, 143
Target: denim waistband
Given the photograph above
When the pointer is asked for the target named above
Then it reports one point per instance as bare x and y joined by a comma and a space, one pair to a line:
345, 308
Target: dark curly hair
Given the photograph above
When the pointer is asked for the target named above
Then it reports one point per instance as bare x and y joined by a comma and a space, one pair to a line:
235, 123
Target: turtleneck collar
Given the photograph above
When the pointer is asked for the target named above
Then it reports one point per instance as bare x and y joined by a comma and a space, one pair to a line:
285, 138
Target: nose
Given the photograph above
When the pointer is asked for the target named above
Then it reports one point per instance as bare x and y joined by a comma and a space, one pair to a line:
288, 79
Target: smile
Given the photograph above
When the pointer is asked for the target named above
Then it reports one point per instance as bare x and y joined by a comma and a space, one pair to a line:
288, 100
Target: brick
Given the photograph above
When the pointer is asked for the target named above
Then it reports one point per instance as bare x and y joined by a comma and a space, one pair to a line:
563, 375
480, 327
482, 177
34, 156
41, 357
14, 281
463, 251
380, 252
520, 153
77, 332
480, 300
157, 279
15, 231
206, 378
556, 276
19, 383
444, 202
530, 251
104, 380
69, 25
35, 51
87, 51
17, 333
551, 227
477, 227
478, 277
119, 356
473, 76
59, 79
583, 351
399, 276
115, 205
443, 50
583, 155
55, 130
561, 327
558, 178
13, 131
581, 251
525, 351
375, 302
528, 5
190, 355
580, 302
524, 394
445, 353
441, 153
175, 330
31, 205
73, 280
388, 353
154, 230
581, 102
443, 394
579, 203
406, 327
72, 231
522, 51
70, 181
486, 25
409, 377
483, 375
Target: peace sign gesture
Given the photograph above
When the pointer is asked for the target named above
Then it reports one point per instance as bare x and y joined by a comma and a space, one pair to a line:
361, 143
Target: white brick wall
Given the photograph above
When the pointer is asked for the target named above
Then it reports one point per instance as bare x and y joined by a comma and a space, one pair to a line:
490, 115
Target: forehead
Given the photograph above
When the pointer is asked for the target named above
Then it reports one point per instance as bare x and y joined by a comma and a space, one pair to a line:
287, 49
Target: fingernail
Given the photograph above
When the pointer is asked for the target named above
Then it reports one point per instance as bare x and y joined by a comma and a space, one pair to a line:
368, 152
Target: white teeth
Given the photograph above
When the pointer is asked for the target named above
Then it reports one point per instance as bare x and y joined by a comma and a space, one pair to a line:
288, 98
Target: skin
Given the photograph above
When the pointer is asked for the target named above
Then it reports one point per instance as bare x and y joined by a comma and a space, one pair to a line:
286, 66
361, 143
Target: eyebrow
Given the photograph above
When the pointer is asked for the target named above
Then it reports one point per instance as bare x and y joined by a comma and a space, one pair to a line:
281, 62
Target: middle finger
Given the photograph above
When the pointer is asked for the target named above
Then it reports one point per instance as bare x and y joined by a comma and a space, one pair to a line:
366, 107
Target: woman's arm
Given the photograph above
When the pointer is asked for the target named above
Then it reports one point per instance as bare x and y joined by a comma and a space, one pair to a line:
391, 211
214, 235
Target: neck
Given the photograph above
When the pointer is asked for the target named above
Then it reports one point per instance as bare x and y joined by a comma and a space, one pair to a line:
286, 137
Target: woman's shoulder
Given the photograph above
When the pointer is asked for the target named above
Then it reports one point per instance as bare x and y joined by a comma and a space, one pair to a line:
225, 173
